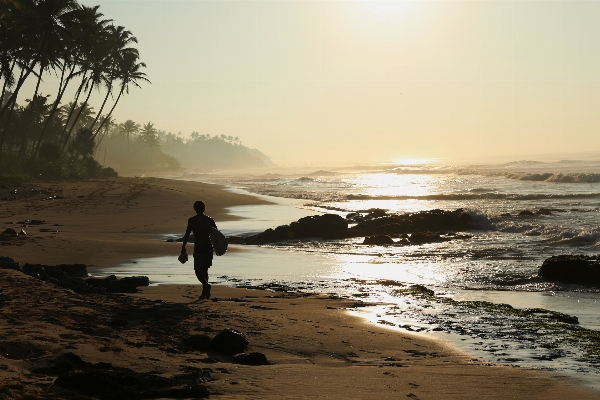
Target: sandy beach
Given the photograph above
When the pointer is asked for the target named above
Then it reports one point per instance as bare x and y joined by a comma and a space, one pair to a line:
315, 348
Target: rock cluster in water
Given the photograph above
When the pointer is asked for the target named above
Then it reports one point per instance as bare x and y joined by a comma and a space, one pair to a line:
377, 226
579, 269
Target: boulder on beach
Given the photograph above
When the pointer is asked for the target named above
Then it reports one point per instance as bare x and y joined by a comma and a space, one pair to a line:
254, 358
580, 269
229, 341
9, 263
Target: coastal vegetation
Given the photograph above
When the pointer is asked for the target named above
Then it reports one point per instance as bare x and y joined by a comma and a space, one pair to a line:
49, 135
57, 58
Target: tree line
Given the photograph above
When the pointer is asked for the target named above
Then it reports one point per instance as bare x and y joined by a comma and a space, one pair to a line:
142, 148
83, 51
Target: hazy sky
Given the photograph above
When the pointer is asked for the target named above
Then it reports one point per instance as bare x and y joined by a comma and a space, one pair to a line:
357, 81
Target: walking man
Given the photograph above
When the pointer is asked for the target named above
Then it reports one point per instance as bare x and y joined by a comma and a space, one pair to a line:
200, 225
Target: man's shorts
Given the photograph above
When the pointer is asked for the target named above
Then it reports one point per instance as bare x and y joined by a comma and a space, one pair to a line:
203, 258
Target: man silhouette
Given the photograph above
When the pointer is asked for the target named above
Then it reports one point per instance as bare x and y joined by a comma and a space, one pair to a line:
200, 225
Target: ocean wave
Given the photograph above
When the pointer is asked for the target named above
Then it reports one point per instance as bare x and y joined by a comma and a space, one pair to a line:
555, 177
478, 196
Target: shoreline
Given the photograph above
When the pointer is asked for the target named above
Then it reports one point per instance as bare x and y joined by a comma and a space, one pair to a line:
331, 361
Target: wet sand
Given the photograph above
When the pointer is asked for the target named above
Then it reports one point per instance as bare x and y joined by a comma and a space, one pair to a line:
105, 222
315, 348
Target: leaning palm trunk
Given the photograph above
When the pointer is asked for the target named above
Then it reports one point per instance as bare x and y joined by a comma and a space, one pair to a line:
7, 82
101, 108
25, 137
110, 112
77, 118
11, 101
61, 92
13, 98
72, 110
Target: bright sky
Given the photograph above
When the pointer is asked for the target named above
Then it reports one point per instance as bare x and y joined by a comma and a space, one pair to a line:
327, 82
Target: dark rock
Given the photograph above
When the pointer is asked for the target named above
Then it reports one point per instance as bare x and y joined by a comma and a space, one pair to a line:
19, 350
378, 240
123, 285
229, 341
197, 342
376, 222
395, 228
581, 269
544, 211
9, 232
63, 363
326, 226
424, 237
254, 358
57, 271
105, 381
526, 213
9, 263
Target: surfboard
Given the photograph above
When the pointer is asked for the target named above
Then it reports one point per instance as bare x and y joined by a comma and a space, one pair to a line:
219, 242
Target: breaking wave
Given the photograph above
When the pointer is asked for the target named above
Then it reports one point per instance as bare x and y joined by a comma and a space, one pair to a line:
479, 196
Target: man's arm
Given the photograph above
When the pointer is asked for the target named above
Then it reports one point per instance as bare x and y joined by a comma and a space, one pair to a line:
186, 237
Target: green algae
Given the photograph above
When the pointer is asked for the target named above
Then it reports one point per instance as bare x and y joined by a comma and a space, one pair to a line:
554, 329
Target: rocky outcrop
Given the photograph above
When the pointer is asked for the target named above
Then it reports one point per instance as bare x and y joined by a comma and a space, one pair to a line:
127, 284
372, 223
105, 381
378, 240
326, 226
9, 263
69, 276
580, 269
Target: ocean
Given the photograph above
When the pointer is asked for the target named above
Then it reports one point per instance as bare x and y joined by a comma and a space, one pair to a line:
487, 298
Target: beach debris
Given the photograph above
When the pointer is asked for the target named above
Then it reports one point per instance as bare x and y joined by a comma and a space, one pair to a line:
579, 269
229, 341
254, 358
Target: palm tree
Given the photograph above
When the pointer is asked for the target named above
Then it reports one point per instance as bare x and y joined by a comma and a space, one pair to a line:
128, 128
129, 74
86, 35
149, 136
40, 27
120, 39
